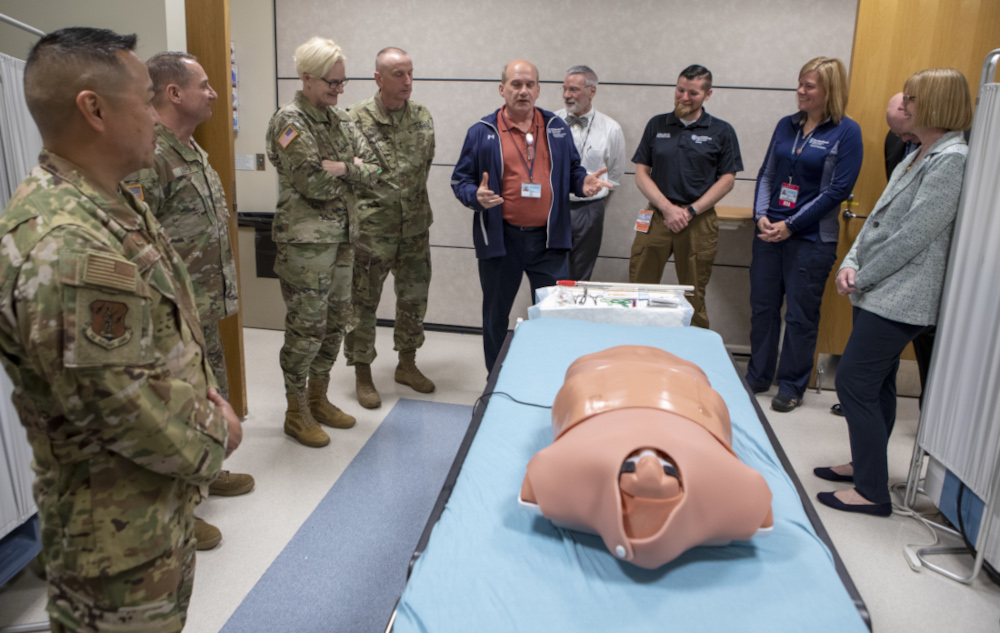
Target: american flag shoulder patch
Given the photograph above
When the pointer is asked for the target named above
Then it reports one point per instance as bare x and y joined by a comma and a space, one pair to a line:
136, 190
287, 136
101, 269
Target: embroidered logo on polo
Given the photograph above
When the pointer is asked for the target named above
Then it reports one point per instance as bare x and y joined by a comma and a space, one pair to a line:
819, 143
107, 326
663, 135
700, 139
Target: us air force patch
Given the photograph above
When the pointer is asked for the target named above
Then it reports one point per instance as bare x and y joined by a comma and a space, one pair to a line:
107, 325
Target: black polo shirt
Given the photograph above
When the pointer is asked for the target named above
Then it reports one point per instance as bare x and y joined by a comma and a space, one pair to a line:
685, 161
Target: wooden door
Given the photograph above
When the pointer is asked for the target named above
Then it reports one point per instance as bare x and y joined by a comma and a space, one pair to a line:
208, 39
892, 40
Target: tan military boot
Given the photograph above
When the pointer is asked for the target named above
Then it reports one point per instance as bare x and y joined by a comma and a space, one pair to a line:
300, 424
408, 374
367, 394
207, 535
322, 409
229, 484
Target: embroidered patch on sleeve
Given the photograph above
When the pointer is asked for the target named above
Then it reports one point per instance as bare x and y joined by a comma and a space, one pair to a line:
287, 136
136, 190
107, 325
101, 269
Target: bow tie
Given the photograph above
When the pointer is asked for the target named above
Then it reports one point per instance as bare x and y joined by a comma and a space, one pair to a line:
577, 120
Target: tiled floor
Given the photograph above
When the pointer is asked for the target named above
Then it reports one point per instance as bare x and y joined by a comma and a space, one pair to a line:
291, 480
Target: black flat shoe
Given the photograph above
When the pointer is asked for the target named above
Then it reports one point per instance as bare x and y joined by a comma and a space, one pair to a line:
879, 509
784, 404
837, 409
830, 475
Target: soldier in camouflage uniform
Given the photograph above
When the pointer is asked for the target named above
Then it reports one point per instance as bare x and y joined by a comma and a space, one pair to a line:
393, 229
320, 158
185, 194
100, 334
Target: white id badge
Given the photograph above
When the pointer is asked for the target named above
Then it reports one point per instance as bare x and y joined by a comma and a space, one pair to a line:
531, 190
788, 195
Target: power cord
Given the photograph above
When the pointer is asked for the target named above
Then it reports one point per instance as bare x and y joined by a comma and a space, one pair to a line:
503, 393
991, 573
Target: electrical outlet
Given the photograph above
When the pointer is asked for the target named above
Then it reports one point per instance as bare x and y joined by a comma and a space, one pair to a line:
260, 162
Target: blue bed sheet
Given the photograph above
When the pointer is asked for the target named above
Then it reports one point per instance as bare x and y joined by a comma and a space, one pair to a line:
492, 566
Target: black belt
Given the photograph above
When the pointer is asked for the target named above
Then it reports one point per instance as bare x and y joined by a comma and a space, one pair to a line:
524, 228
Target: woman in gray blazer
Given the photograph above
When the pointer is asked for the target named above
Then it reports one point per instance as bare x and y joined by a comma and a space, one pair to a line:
894, 275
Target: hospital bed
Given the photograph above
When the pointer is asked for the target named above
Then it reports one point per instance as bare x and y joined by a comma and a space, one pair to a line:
485, 564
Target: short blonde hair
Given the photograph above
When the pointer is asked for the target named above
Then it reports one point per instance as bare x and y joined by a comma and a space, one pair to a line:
942, 98
317, 57
833, 77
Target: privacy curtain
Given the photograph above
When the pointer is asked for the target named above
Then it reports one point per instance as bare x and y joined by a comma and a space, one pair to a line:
960, 424
20, 144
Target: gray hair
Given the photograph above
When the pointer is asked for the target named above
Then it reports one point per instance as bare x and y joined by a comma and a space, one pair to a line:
589, 76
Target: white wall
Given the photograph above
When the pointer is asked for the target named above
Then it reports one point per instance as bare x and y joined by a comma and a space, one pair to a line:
147, 18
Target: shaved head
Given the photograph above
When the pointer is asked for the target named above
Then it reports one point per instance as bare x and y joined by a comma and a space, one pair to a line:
387, 56
509, 68
68, 61
895, 116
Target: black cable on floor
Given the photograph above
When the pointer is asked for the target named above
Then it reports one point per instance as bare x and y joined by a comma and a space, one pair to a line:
991, 573
502, 393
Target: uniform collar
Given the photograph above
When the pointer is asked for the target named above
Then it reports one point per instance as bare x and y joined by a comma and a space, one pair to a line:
118, 204
188, 153
325, 115
799, 117
384, 116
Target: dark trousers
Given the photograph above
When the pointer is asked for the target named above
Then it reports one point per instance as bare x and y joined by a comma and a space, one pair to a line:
866, 386
588, 231
500, 277
923, 345
795, 271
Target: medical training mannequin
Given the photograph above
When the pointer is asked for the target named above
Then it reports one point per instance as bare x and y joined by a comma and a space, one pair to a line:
642, 456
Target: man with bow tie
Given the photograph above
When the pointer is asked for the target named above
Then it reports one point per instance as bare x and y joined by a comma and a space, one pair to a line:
600, 142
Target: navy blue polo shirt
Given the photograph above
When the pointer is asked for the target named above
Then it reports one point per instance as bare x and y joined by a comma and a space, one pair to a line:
685, 161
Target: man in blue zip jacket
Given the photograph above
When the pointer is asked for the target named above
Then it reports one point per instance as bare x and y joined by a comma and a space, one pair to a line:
522, 222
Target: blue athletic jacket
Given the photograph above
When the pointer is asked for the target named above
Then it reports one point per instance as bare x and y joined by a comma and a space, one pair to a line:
824, 171
481, 153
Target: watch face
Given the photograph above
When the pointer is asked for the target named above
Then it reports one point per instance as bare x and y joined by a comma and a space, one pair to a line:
692, 211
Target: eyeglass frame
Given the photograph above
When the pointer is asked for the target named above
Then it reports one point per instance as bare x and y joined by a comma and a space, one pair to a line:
341, 83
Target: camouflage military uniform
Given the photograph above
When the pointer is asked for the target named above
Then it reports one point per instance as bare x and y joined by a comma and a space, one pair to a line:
393, 233
100, 335
313, 227
186, 196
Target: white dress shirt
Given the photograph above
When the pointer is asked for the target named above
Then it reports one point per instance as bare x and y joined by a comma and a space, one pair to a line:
600, 143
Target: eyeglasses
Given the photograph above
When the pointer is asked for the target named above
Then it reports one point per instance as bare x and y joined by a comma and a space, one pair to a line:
342, 83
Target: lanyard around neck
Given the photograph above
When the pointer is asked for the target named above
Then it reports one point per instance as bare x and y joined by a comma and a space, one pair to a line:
531, 167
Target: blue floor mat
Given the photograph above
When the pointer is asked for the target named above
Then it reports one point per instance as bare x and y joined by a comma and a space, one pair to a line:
346, 566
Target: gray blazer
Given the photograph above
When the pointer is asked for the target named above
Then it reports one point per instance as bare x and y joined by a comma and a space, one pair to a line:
902, 251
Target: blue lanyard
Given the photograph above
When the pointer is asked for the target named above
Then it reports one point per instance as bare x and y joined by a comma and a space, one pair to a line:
797, 151
531, 167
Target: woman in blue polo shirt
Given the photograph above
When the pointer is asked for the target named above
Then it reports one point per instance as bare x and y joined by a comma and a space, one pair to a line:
809, 170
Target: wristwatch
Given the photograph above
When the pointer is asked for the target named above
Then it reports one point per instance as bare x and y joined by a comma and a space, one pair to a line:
692, 211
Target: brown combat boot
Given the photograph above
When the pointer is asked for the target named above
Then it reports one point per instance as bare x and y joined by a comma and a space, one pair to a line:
229, 484
207, 535
322, 409
408, 374
300, 424
367, 394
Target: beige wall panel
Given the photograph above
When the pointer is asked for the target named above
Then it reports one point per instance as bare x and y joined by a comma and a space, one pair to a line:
455, 296
458, 39
261, 300
452, 220
146, 18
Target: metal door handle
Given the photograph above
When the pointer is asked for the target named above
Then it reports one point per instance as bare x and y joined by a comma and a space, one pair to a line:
848, 215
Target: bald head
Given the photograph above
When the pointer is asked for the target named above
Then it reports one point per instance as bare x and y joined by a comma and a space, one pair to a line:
896, 117
388, 57
508, 70
67, 62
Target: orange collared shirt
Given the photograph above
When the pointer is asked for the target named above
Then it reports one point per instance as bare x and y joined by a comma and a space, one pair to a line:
517, 210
